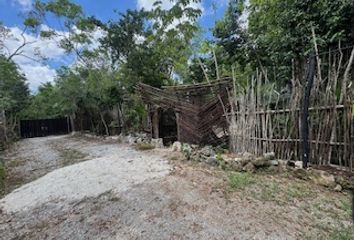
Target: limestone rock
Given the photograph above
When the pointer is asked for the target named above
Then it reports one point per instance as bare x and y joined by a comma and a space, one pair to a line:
177, 147
158, 142
269, 156
212, 161
338, 188
130, 139
236, 166
249, 168
345, 182
299, 164
115, 138
274, 162
323, 178
207, 151
247, 155
282, 165
260, 162
301, 174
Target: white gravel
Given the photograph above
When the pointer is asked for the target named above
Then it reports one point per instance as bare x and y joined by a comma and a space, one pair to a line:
115, 172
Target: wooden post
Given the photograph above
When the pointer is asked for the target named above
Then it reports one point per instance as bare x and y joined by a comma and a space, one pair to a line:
178, 127
155, 123
305, 114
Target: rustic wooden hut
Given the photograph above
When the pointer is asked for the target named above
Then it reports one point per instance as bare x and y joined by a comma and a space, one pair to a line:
188, 113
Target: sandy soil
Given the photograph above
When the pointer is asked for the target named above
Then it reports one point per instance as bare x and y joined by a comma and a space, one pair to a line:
115, 192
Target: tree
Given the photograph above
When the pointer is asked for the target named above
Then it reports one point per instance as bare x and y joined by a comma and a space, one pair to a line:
280, 31
231, 36
14, 94
45, 104
71, 91
153, 46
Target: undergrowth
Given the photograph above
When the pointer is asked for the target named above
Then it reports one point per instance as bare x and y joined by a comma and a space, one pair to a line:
144, 146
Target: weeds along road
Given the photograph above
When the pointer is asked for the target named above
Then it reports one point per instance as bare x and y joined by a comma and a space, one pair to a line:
77, 188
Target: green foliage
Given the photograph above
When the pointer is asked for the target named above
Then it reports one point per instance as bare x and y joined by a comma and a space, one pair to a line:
64, 8
219, 157
147, 47
14, 97
160, 47
281, 30
134, 113
13, 87
231, 36
71, 19
31, 22
45, 104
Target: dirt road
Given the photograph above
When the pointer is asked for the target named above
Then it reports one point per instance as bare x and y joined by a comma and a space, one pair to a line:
79, 188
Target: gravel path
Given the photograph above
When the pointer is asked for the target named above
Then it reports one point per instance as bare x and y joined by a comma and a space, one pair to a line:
111, 191
113, 168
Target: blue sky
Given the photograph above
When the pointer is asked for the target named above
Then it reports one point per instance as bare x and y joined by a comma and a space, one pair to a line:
12, 12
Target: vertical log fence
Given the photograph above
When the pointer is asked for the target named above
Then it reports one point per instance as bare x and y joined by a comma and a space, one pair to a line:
312, 122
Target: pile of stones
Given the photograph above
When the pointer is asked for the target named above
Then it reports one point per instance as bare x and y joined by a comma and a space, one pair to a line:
247, 162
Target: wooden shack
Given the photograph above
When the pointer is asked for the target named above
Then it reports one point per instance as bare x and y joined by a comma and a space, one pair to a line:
188, 113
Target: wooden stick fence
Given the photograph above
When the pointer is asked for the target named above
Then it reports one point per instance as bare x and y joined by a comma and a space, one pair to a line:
261, 120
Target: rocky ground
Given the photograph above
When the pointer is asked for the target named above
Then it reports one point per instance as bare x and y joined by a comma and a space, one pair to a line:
79, 188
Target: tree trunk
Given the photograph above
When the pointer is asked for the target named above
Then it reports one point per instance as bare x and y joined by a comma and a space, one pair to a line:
3, 125
104, 124
119, 118
72, 122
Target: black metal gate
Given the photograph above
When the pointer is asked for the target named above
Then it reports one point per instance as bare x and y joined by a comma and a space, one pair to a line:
44, 127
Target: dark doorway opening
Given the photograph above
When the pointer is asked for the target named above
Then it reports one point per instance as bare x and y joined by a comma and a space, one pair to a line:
44, 127
168, 127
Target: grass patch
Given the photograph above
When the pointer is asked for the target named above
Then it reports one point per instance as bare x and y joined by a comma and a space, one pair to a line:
70, 156
144, 146
269, 192
346, 205
299, 191
240, 180
281, 190
343, 234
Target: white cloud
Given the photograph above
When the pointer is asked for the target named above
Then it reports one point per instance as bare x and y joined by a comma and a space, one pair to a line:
35, 45
37, 75
245, 15
166, 4
24, 4
29, 61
